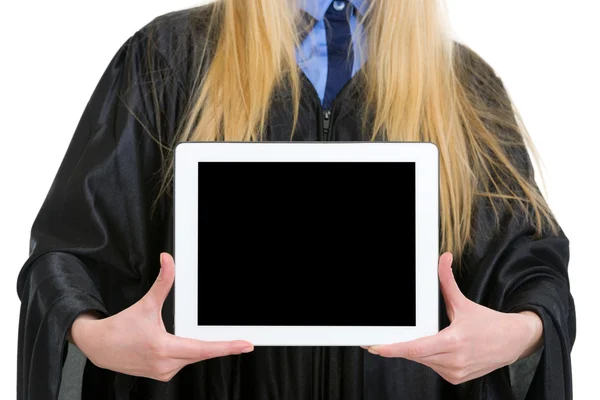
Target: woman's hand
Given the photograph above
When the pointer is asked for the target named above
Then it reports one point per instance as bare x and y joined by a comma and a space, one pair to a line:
135, 341
478, 341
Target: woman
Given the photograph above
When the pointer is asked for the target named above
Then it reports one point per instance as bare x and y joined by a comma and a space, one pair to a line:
320, 70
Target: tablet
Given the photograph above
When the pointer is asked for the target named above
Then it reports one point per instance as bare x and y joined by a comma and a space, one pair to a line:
306, 244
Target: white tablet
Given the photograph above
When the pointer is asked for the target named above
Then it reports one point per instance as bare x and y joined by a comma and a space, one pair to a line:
306, 244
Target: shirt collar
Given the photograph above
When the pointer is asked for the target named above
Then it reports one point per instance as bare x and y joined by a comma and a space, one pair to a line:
318, 8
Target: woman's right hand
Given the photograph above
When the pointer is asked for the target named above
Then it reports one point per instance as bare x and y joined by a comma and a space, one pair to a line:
135, 341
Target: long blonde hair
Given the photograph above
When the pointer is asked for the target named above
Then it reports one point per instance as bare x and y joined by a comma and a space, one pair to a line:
422, 87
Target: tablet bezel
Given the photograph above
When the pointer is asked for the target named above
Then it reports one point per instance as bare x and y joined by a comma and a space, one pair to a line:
426, 159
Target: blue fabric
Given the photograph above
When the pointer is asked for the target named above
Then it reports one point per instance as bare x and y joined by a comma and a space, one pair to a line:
323, 55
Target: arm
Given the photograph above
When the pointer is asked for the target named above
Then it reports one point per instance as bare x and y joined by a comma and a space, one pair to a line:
518, 271
94, 228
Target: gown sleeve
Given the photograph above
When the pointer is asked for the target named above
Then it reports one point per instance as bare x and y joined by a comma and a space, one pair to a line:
94, 231
514, 270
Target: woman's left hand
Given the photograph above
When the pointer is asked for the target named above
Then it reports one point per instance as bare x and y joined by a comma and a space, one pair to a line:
478, 341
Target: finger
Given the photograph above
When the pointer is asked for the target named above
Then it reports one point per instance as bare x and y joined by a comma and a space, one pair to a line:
442, 361
436, 363
164, 281
457, 376
475, 375
414, 349
453, 297
198, 350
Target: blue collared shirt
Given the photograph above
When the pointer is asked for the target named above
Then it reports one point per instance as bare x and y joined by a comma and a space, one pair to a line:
319, 53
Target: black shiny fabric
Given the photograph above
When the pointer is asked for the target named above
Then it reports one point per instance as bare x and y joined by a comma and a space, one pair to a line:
95, 246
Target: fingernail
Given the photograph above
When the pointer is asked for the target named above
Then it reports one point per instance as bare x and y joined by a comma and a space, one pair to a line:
162, 260
374, 350
247, 349
449, 258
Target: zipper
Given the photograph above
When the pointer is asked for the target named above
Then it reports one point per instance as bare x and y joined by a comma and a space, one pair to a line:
326, 122
324, 125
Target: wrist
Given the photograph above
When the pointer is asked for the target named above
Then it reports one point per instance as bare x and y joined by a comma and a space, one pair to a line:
534, 332
81, 328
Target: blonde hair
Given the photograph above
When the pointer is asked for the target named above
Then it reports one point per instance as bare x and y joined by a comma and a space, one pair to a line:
422, 87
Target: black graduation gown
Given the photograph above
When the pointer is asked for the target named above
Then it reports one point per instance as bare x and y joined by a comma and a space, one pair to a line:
95, 246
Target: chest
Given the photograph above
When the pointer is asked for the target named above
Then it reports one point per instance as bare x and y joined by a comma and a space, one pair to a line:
343, 120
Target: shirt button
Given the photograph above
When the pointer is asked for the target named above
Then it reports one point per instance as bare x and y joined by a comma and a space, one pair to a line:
339, 5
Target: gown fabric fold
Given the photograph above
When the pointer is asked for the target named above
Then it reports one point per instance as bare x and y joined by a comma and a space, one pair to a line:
95, 246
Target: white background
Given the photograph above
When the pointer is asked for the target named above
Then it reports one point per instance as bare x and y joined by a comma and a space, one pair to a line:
546, 51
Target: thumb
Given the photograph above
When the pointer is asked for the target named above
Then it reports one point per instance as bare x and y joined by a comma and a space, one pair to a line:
453, 297
164, 281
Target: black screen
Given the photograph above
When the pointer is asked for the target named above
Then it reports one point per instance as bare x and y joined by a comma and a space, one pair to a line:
306, 243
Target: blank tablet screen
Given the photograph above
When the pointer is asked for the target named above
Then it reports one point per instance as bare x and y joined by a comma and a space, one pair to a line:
306, 243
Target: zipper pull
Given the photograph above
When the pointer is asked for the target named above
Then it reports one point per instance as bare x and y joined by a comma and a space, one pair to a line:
326, 116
